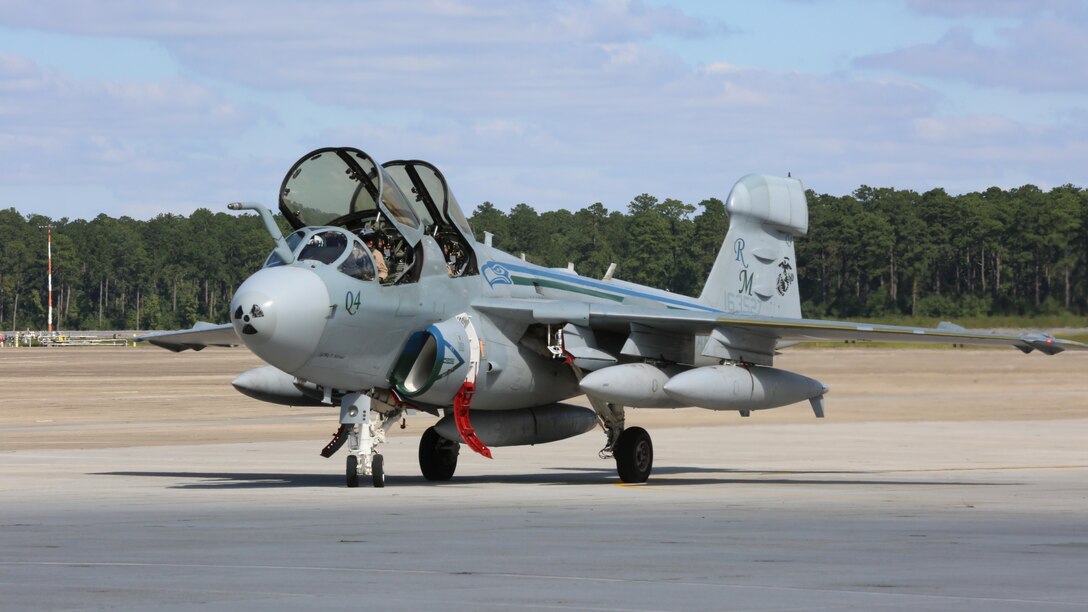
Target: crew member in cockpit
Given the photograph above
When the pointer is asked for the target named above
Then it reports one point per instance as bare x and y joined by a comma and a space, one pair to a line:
358, 264
449, 259
324, 247
372, 243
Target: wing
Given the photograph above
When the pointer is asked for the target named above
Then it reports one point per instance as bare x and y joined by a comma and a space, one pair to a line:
201, 335
673, 334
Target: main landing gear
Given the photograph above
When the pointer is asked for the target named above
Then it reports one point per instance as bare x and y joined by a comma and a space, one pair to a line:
437, 456
631, 447
364, 429
634, 455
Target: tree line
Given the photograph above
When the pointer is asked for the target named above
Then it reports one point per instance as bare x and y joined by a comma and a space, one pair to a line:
876, 252
164, 273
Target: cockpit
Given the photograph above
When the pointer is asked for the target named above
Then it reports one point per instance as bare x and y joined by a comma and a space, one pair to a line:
331, 246
339, 200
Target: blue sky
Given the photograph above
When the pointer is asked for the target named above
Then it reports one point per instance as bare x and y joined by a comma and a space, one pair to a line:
137, 108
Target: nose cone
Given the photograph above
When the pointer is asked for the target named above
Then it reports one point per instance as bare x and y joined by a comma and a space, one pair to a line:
280, 313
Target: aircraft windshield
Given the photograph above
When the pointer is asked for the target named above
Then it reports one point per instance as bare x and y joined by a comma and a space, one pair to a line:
358, 264
293, 240
328, 246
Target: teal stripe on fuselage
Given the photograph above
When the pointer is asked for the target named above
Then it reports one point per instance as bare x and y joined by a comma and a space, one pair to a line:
586, 286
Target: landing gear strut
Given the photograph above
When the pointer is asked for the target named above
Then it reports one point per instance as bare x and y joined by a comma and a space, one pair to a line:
631, 448
366, 431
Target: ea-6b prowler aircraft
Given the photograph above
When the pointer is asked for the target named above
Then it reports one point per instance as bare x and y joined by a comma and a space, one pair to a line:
382, 300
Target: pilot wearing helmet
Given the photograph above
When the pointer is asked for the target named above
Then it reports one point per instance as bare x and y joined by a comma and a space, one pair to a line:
325, 247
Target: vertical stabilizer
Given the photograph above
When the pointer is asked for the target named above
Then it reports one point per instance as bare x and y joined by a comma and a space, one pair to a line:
756, 269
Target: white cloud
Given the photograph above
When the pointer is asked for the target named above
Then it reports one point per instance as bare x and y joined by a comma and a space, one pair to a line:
995, 8
723, 68
1043, 51
978, 129
554, 104
153, 139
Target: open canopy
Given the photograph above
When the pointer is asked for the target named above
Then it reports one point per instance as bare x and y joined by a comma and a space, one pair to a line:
344, 186
426, 183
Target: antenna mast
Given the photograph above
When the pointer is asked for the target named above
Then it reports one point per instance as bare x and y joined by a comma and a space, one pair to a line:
49, 250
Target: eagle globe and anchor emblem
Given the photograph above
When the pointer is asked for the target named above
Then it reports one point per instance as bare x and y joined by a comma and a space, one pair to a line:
785, 278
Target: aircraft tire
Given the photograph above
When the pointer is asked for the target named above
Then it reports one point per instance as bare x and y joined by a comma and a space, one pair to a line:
437, 456
634, 454
352, 471
377, 471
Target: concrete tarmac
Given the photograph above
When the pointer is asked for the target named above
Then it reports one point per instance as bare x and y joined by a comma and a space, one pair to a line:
809, 515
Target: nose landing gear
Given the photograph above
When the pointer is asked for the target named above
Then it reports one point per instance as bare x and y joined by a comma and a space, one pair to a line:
367, 431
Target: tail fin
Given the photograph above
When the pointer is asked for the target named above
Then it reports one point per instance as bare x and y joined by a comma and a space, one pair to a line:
756, 269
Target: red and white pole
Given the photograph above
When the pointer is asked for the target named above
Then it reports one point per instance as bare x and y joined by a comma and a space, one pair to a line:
49, 247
